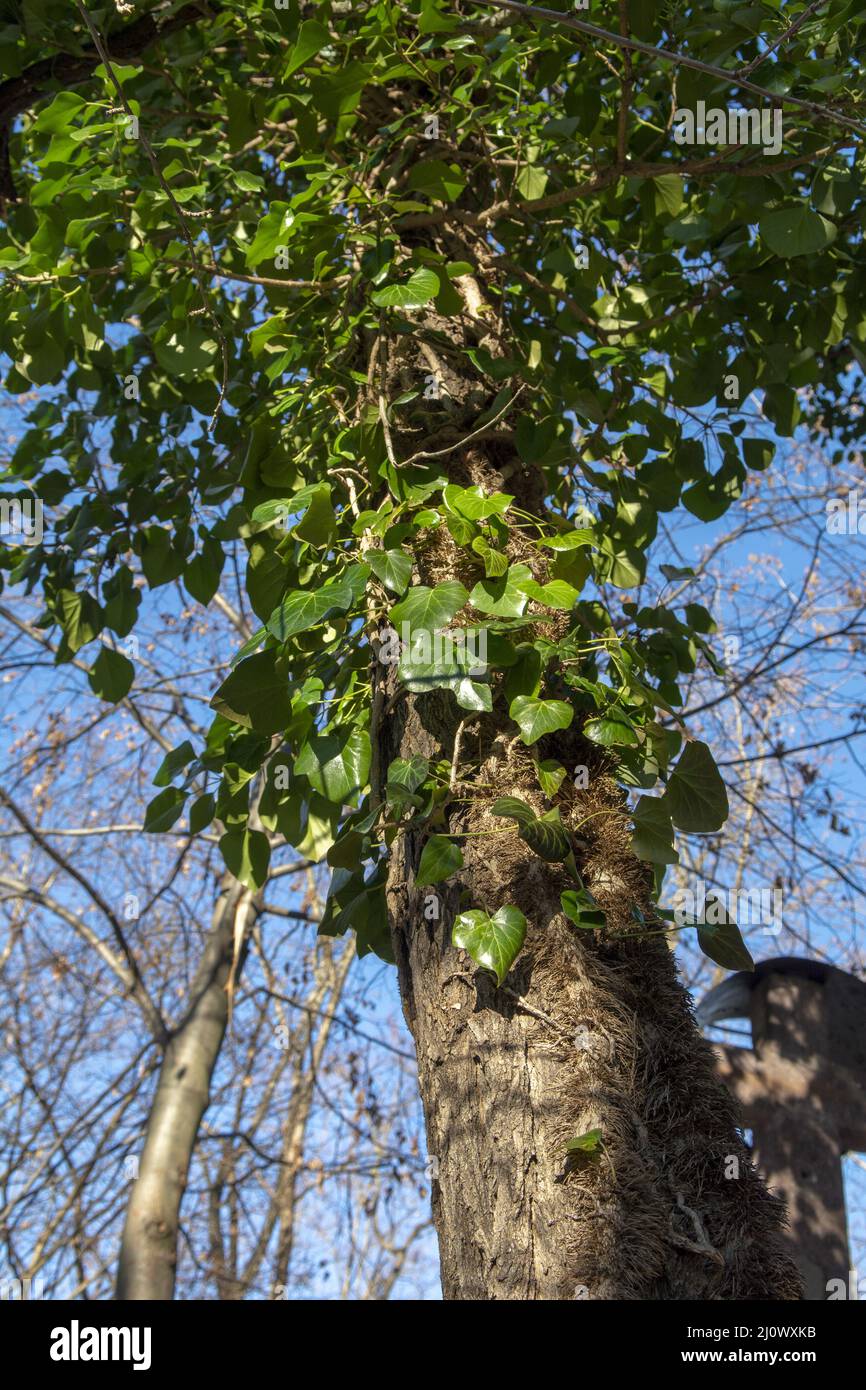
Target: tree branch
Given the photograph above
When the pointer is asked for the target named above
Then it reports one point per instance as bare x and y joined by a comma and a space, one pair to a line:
138, 987
19, 94
592, 31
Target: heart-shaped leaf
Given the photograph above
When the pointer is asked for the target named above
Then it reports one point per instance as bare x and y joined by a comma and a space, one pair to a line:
653, 838
408, 772
418, 290
439, 859
556, 594
492, 942
545, 835
695, 795
551, 775
336, 764
587, 1143
614, 730
430, 609
536, 717
301, 610
393, 567
474, 503
568, 540
111, 675
514, 809
504, 597
495, 563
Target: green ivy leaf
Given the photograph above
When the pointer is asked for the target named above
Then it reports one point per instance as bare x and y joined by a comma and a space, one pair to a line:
551, 775
492, 942
581, 908
653, 838
495, 563
418, 290
613, 731
514, 809
474, 503
505, 598
473, 695
588, 1143
537, 717
393, 567
247, 855
427, 609
162, 812
568, 540
111, 675
461, 529
696, 797
555, 594
440, 858
302, 610
410, 773
336, 764
545, 835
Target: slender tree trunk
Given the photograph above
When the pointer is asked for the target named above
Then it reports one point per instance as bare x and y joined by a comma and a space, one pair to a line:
148, 1255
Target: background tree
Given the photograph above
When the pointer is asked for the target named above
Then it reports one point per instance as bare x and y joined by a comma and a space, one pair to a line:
305, 1175
429, 310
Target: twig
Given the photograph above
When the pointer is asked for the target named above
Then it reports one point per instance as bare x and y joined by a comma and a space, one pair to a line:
783, 38
137, 985
321, 285
380, 398
533, 1012
536, 12
702, 1245
627, 85
455, 757
440, 453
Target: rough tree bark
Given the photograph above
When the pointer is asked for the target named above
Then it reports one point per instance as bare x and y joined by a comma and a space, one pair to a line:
587, 1032
591, 1029
148, 1254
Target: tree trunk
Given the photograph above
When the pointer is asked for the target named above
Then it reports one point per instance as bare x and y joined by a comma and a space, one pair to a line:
148, 1254
586, 1033
592, 1030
